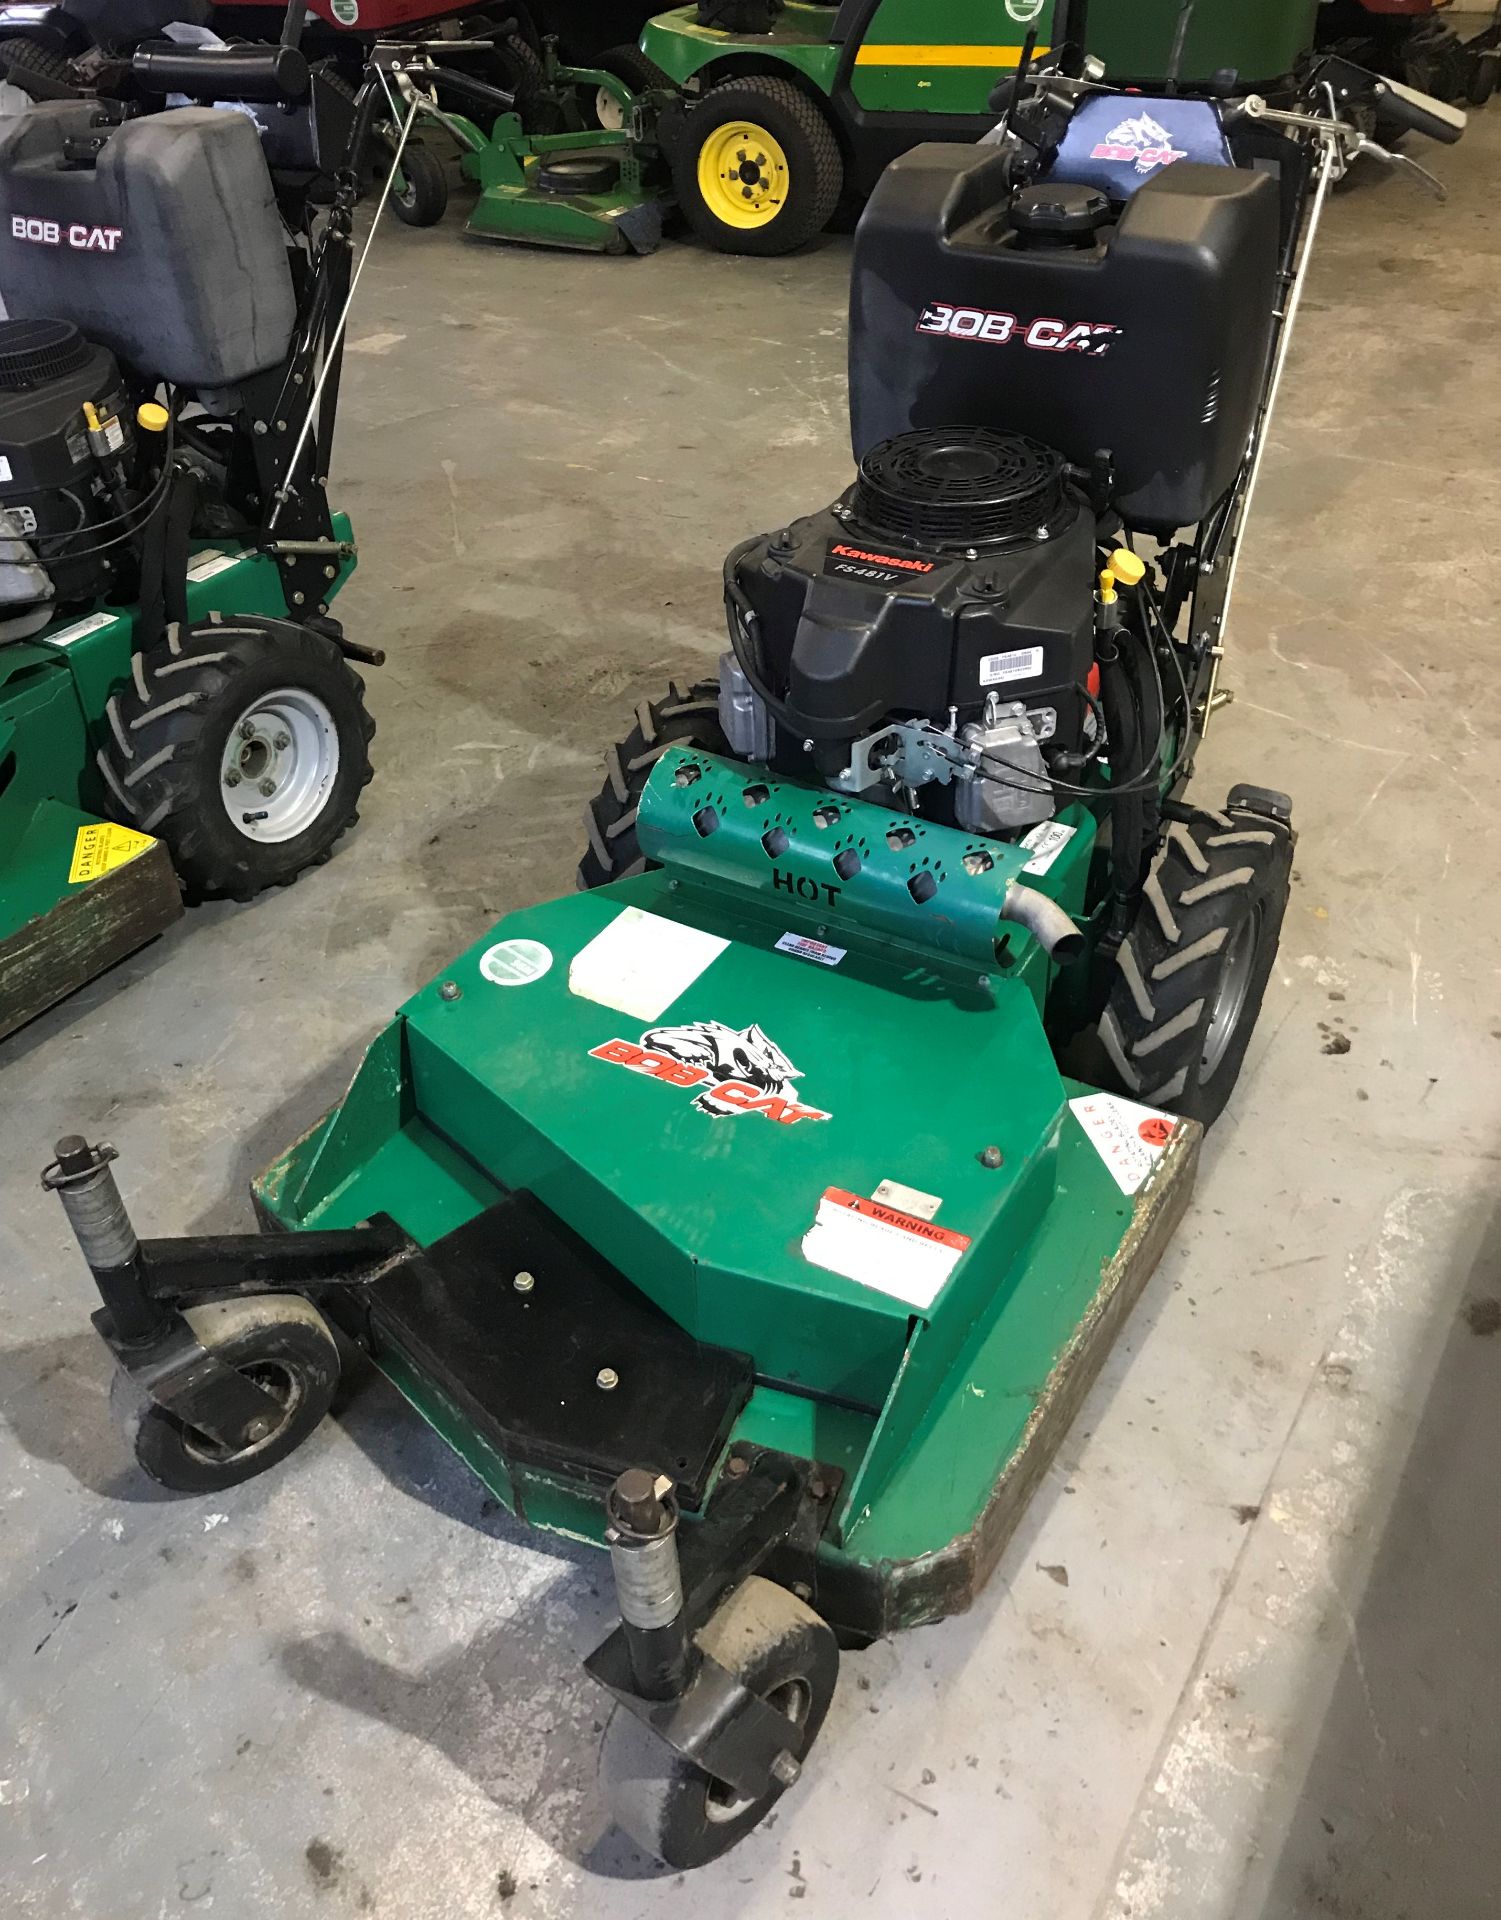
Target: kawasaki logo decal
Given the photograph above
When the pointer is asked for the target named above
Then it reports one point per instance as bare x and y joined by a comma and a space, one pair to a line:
731, 1071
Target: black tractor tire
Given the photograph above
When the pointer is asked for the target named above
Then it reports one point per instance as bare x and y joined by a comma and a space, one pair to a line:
419, 193
1194, 967
284, 1344
781, 1651
802, 129
682, 719
30, 56
172, 727
1482, 82
630, 64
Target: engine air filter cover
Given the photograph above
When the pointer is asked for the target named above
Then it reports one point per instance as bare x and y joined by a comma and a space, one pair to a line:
34, 352
962, 487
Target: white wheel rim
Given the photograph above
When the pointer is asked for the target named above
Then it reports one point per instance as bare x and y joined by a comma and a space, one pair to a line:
608, 111
279, 765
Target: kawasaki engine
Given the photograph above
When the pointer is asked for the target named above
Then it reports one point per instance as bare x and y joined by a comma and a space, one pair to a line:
67, 469
932, 632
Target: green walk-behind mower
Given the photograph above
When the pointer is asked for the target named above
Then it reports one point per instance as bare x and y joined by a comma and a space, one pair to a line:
178, 711
745, 1211
792, 106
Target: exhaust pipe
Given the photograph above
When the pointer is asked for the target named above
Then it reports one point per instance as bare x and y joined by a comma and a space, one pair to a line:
1044, 919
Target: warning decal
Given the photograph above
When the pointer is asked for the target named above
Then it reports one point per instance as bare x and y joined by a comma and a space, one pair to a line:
1127, 1137
881, 1247
101, 848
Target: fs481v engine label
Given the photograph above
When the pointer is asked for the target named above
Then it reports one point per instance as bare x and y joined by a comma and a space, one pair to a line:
52, 233
994, 329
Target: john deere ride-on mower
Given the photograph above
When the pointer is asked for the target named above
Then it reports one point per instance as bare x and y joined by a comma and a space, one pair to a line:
745, 1211
178, 712
792, 104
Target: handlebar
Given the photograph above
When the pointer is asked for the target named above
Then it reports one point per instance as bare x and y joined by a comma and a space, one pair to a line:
1416, 112
258, 74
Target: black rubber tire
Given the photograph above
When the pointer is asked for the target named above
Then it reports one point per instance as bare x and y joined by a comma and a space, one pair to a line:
682, 719
419, 194
36, 58
516, 66
170, 725
780, 1650
285, 1343
1200, 952
804, 132
1482, 82
630, 64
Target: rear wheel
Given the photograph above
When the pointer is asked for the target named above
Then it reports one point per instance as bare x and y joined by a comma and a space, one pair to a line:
419, 193
781, 1651
1482, 80
1194, 967
18, 58
244, 744
683, 719
757, 168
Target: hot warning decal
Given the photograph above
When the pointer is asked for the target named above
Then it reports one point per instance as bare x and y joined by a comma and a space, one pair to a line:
731, 1070
881, 1247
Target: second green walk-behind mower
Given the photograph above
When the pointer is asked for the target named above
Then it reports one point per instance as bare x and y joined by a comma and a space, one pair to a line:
179, 710
752, 1211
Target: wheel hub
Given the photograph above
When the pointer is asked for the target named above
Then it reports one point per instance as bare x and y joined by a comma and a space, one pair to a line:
743, 175
279, 765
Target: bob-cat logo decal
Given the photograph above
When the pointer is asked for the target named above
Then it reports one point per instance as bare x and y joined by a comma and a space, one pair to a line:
1140, 139
732, 1070
82, 237
995, 329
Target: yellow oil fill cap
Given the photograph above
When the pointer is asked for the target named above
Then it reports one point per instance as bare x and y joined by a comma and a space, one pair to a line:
152, 416
1128, 569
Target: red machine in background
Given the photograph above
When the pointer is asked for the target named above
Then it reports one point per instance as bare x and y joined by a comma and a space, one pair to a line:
1412, 41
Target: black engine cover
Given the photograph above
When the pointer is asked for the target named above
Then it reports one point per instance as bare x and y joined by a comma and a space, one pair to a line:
855, 627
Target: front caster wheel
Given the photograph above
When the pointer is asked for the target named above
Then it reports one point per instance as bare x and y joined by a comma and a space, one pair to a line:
783, 1653
280, 1341
419, 193
1194, 967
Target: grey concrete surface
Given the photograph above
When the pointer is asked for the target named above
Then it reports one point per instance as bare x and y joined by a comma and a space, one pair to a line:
1267, 1687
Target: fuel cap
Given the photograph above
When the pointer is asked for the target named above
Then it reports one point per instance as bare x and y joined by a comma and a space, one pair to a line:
1060, 208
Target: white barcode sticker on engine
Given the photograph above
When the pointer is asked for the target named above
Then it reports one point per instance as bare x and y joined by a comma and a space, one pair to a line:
997, 668
1045, 843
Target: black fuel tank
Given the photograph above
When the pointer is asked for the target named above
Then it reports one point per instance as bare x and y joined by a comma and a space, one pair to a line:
1148, 335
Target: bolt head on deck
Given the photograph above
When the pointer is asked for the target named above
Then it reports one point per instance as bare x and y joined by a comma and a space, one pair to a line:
607, 1379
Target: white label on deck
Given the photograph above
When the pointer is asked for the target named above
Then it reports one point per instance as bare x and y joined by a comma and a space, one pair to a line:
1128, 1138
640, 964
807, 949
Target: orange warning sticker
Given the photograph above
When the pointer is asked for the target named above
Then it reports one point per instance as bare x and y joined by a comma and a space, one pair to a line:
881, 1247
1157, 1131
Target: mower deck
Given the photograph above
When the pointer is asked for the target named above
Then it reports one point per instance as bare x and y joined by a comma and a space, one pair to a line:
689, 1180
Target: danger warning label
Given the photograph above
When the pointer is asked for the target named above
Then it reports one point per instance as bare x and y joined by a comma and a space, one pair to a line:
879, 1246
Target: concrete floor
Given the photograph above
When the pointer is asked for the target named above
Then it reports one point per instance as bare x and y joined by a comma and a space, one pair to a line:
1240, 1659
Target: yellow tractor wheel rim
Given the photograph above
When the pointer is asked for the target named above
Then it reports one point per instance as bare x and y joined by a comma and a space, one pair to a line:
743, 175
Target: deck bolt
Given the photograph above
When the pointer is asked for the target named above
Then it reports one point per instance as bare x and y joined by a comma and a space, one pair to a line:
817, 1487
329, 572
736, 1465
450, 990
524, 1282
982, 979
607, 1379
268, 787
991, 1157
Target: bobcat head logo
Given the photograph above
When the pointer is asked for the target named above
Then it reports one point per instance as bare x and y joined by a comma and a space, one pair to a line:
747, 1055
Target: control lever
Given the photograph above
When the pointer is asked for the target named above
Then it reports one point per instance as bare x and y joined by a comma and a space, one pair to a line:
1365, 145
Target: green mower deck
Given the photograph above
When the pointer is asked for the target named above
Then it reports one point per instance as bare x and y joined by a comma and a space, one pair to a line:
764, 1148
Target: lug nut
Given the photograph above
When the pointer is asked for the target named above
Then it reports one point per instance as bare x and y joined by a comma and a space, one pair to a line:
268, 787
247, 730
231, 779
282, 742
524, 1282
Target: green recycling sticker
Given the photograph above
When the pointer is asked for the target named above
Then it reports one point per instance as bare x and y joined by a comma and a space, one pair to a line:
1022, 10
347, 12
